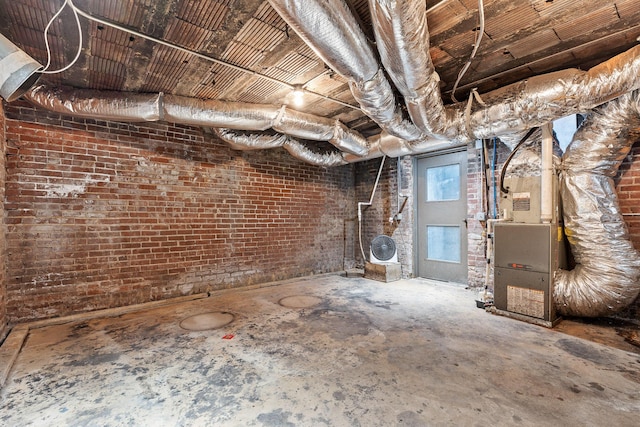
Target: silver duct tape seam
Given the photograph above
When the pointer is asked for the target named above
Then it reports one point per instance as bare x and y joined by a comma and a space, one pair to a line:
606, 278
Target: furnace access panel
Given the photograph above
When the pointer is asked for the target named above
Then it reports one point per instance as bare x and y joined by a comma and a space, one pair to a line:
524, 262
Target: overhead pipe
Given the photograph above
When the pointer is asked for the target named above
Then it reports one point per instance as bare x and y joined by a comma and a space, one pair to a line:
546, 175
18, 71
403, 41
213, 113
606, 278
330, 29
251, 141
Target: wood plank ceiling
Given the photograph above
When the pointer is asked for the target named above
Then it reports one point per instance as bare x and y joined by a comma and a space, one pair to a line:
522, 38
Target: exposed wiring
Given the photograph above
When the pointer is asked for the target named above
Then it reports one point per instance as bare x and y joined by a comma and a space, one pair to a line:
207, 58
46, 40
476, 44
513, 152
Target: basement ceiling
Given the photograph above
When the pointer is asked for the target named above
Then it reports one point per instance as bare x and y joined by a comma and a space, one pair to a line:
255, 49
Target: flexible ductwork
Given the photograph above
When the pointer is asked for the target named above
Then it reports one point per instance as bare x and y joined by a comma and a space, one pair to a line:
331, 30
244, 116
402, 36
116, 106
213, 113
247, 141
606, 277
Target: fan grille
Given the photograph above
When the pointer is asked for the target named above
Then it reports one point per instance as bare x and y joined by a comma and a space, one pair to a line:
383, 247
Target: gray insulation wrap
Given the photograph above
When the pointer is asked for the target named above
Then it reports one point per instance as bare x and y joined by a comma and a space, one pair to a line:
605, 279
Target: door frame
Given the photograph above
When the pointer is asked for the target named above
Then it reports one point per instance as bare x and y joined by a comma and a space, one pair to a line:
414, 165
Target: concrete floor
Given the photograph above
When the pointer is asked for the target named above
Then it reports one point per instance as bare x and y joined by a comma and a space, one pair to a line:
407, 353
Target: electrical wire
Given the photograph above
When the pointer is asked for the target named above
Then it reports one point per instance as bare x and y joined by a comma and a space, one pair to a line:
46, 40
476, 44
513, 152
205, 57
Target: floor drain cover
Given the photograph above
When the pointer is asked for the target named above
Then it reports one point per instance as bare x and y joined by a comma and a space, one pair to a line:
300, 301
205, 321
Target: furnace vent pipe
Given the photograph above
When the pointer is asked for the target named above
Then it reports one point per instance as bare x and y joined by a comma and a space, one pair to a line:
18, 71
606, 277
546, 176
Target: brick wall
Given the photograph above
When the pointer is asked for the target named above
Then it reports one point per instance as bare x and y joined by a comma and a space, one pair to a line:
3, 242
387, 201
476, 243
628, 188
103, 214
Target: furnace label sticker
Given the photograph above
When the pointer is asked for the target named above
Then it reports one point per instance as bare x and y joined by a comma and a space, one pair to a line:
522, 201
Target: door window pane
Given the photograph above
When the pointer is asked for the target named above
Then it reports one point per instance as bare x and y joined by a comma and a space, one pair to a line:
443, 243
443, 183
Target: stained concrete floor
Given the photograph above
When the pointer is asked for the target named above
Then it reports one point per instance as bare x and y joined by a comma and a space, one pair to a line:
407, 353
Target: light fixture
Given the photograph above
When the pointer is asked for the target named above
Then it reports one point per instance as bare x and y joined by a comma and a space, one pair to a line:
298, 96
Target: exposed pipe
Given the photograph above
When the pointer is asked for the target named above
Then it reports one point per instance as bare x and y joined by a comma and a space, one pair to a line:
401, 32
331, 30
369, 203
192, 111
546, 176
606, 277
18, 71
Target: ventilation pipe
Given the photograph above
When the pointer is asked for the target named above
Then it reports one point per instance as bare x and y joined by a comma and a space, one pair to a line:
606, 277
246, 141
546, 176
18, 71
403, 42
330, 29
235, 115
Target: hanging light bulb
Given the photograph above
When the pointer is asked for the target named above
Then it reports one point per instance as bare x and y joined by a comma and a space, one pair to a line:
298, 96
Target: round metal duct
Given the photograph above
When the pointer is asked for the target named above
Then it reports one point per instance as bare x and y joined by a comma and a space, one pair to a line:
18, 71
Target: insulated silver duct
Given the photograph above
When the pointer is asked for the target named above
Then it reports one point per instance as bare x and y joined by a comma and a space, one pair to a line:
212, 113
402, 35
246, 141
606, 277
116, 106
331, 30
245, 116
300, 151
